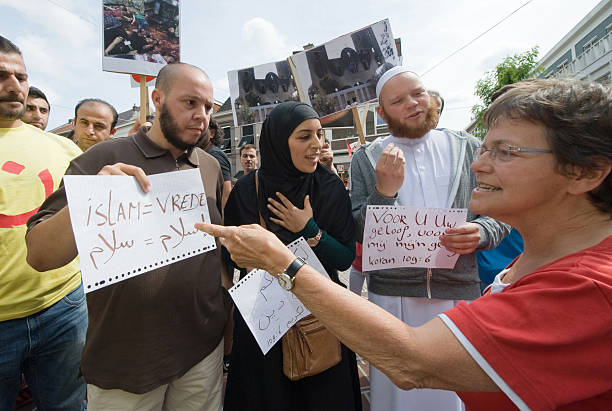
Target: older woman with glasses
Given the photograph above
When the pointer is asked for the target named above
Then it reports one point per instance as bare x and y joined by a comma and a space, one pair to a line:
541, 336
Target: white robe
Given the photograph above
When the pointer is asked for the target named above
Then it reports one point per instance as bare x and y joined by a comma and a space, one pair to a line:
426, 181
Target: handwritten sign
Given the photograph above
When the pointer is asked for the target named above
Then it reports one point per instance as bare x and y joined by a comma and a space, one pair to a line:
268, 309
122, 232
398, 236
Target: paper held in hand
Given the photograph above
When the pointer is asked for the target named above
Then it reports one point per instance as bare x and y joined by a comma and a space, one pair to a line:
399, 236
122, 232
268, 309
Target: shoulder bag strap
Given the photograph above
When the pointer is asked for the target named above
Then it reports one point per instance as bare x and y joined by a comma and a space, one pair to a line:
262, 222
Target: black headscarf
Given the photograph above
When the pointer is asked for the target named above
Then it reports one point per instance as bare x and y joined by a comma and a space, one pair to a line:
277, 172
328, 197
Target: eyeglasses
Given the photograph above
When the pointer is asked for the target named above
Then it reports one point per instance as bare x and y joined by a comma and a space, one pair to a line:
504, 152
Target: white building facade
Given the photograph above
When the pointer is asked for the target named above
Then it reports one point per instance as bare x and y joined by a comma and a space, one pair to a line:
585, 52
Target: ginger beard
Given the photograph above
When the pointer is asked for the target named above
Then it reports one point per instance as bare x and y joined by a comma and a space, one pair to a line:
398, 129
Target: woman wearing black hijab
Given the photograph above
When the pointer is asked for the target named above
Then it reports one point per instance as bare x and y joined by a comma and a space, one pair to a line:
296, 196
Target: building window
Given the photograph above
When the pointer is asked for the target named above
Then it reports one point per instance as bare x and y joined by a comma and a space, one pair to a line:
247, 130
605, 79
589, 44
227, 139
247, 135
563, 66
608, 28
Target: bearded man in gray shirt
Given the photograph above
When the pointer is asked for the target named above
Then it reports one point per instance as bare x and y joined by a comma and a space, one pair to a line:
418, 165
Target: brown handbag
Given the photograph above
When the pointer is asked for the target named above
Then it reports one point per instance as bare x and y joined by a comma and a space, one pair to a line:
309, 348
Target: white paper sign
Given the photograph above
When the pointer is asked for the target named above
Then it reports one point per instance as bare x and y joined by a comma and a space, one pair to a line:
122, 232
268, 309
398, 236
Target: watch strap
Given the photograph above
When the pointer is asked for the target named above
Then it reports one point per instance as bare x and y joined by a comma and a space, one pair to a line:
293, 268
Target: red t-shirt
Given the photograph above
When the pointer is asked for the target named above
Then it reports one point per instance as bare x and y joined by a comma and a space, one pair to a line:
546, 340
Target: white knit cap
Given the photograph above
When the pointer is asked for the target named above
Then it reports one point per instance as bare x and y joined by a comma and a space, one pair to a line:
388, 75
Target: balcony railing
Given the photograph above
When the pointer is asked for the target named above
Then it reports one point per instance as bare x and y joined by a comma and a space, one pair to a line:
589, 56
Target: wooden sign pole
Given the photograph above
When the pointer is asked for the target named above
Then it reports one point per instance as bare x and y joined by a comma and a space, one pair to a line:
358, 125
148, 102
366, 108
144, 99
296, 79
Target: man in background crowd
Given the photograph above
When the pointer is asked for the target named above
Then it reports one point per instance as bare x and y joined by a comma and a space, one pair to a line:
37, 109
94, 121
436, 101
248, 160
211, 146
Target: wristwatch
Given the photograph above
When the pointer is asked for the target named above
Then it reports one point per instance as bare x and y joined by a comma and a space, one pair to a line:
313, 241
286, 278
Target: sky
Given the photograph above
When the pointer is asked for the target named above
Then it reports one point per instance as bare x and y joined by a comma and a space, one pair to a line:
61, 41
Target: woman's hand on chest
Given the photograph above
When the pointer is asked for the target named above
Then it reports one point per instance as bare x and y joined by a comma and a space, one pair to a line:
289, 216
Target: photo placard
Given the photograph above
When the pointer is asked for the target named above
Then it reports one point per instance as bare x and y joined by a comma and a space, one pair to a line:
139, 36
343, 72
255, 91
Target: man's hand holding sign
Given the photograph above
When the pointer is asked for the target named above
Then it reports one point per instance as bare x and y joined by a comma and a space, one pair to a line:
63, 250
121, 169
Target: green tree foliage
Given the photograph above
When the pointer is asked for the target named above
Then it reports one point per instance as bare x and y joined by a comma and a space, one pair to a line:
512, 69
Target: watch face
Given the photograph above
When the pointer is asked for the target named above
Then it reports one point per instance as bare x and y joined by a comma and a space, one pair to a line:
285, 281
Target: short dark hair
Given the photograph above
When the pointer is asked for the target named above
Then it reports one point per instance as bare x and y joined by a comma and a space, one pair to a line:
217, 138
247, 146
97, 100
167, 74
35, 92
577, 117
8, 47
436, 94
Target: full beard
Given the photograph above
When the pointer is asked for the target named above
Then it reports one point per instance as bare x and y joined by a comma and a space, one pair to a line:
398, 129
171, 130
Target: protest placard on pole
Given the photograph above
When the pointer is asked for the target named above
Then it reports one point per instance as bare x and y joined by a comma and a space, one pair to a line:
140, 36
255, 91
343, 72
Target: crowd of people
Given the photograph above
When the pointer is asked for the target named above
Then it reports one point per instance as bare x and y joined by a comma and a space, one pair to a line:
538, 337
